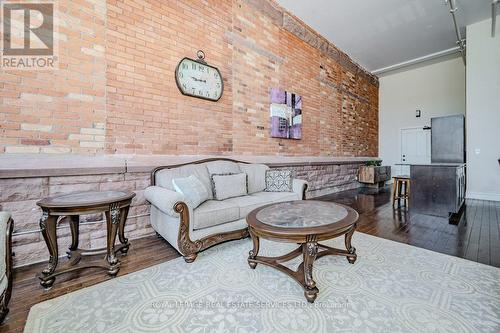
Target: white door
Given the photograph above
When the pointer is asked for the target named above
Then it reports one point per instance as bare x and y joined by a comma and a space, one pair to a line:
415, 148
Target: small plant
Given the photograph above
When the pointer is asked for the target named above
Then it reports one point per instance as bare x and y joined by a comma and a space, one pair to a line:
373, 163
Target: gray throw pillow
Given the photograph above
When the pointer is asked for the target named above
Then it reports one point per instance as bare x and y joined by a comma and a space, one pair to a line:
229, 186
192, 188
279, 181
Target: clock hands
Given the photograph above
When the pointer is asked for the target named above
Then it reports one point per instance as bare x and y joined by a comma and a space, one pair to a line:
199, 80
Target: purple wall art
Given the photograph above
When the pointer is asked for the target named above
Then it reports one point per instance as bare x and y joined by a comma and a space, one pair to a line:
286, 114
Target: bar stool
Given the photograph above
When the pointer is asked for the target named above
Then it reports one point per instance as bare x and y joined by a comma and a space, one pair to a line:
401, 190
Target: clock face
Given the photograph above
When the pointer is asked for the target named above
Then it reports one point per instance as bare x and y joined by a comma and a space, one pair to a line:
199, 80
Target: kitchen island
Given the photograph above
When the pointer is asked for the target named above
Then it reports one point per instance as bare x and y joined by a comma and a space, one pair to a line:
437, 189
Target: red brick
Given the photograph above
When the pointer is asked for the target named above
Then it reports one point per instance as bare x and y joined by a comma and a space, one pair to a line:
35, 142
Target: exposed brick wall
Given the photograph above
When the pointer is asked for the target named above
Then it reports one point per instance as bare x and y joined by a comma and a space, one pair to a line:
19, 196
115, 90
64, 110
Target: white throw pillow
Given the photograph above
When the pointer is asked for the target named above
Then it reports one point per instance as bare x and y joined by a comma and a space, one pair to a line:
229, 186
256, 176
193, 189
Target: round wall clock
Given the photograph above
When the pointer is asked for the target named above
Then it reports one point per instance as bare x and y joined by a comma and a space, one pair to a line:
196, 78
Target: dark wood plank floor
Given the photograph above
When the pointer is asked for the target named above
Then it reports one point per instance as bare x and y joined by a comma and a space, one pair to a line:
476, 237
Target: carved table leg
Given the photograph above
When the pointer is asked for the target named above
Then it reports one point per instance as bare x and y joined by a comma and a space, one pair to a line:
189, 258
48, 226
112, 222
74, 223
309, 250
255, 251
121, 230
352, 256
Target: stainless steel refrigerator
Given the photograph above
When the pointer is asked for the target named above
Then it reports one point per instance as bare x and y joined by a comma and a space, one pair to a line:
448, 139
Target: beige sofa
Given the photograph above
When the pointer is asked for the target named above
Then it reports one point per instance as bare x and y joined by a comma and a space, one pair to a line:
193, 230
6, 228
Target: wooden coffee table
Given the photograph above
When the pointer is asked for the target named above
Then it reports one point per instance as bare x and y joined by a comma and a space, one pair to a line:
115, 205
305, 222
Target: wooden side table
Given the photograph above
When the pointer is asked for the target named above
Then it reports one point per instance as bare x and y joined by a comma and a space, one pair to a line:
114, 204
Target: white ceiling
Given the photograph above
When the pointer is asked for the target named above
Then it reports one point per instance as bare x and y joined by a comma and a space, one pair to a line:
381, 33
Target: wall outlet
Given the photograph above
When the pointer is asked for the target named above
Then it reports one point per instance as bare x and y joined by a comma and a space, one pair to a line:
418, 113
477, 151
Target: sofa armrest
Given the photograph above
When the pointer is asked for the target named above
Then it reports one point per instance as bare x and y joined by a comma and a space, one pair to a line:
4, 231
300, 187
164, 199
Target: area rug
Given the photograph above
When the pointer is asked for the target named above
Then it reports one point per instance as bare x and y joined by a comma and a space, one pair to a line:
392, 287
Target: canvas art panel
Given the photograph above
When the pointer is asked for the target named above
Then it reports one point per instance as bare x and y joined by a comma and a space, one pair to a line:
286, 114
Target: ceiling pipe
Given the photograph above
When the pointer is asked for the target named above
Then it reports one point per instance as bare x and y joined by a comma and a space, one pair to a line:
460, 41
494, 4
416, 61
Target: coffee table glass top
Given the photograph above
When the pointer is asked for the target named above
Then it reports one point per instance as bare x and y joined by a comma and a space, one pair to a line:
301, 214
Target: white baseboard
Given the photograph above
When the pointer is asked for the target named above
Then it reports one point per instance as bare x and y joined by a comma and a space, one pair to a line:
483, 196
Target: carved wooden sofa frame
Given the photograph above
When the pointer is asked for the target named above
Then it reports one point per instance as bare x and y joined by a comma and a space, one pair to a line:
189, 248
5, 297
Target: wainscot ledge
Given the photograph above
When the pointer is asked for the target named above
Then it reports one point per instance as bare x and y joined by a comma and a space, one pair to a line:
39, 165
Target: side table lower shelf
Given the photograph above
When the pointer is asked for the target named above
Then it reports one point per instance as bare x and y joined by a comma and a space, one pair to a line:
115, 206
76, 256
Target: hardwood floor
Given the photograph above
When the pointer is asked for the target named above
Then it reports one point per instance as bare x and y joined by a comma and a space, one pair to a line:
476, 237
